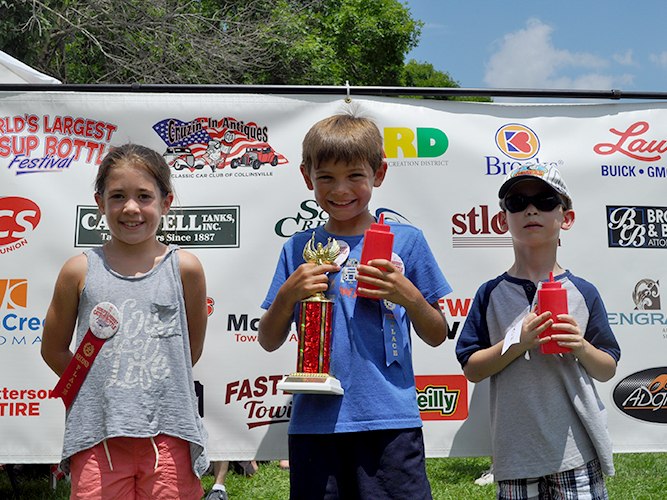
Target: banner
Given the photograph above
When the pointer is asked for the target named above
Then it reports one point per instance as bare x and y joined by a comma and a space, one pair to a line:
239, 196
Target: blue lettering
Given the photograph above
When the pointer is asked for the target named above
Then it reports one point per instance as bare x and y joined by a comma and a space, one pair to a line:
13, 322
626, 319
618, 170
656, 172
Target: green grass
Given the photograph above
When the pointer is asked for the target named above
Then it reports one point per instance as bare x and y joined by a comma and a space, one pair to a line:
639, 476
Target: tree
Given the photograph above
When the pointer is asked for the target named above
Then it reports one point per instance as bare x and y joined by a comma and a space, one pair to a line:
280, 42
215, 41
360, 41
422, 74
150, 41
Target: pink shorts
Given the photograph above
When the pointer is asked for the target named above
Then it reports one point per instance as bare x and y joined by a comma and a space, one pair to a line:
135, 468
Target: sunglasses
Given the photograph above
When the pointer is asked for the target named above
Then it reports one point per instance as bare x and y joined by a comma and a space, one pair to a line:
544, 201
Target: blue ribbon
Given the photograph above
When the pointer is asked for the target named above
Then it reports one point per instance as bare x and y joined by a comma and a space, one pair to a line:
395, 339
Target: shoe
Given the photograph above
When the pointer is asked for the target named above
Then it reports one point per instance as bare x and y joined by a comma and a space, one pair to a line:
485, 478
217, 495
243, 468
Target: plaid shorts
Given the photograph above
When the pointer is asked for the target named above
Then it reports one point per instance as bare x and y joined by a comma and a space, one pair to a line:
584, 483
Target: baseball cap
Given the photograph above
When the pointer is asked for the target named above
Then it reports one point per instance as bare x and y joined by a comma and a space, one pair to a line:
548, 174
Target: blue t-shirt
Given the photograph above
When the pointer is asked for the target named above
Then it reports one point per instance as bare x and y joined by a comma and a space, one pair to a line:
376, 396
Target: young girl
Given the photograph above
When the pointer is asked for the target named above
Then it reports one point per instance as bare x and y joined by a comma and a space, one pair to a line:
133, 430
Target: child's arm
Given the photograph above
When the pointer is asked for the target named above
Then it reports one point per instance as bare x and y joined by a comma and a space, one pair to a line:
302, 283
427, 319
599, 364
487, 362
194, 294
61, 317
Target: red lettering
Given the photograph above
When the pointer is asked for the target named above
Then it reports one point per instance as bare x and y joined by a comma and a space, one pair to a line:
232, 388
459, 220
245, 391
636, 146
33, 409
260, 385
458, 308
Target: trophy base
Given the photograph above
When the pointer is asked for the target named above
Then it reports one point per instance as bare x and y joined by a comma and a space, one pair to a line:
311, 383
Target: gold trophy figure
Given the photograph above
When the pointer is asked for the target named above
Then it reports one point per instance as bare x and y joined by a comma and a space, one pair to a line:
314, 332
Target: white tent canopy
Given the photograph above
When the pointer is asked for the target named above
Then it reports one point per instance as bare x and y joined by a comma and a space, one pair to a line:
14, 71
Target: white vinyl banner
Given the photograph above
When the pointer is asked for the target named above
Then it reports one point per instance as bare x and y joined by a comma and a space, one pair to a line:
240, 195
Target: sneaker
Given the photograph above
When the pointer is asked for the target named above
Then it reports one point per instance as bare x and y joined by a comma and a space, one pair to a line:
485, 478
217, 495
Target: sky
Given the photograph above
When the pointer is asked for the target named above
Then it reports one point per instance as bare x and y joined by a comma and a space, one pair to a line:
557, 44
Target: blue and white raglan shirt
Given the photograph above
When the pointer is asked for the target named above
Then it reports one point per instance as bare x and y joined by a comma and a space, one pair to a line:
376, 396
546, 415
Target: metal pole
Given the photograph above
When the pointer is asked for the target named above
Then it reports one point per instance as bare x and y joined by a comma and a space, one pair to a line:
343, 90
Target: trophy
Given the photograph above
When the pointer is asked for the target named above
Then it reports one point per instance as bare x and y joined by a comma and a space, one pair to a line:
314, 333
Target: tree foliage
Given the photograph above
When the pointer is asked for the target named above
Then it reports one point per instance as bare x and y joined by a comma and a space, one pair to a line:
422, 74
283, 42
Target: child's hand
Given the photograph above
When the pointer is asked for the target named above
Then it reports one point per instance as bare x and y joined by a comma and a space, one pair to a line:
307, 280
392, 284
533, 326
572, 335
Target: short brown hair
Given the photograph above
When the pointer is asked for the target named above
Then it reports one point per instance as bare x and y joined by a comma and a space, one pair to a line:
343, 137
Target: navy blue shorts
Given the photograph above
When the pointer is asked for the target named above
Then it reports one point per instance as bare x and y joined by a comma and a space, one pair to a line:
372, 465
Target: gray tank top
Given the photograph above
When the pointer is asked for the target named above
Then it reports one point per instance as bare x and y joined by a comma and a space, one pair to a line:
141, 383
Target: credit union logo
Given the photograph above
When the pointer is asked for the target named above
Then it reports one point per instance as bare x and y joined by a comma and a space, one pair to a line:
13, 293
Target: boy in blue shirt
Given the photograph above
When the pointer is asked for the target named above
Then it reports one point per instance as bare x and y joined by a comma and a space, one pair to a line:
367, 443
548, 425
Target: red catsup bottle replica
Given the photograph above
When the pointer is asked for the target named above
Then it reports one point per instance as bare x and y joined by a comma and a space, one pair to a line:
378, 244
552, 297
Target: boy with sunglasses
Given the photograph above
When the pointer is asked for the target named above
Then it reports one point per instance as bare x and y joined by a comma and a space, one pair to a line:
548, 425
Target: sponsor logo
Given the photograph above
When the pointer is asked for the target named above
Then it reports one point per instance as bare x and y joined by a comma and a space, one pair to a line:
479, 228
13, 293
634, 143
415, 147
643, 395
309, 216
209, 143
194, 227
646, 299
52, 143
254, 395
646, 295
629, 143
442, 397
210, 303
457, 308
517, 141
17, 327
632, 171
244, 328
637, 227
18, 218
22, 402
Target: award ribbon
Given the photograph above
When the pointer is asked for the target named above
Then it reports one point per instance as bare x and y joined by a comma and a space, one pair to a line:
103, 323
395, 340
